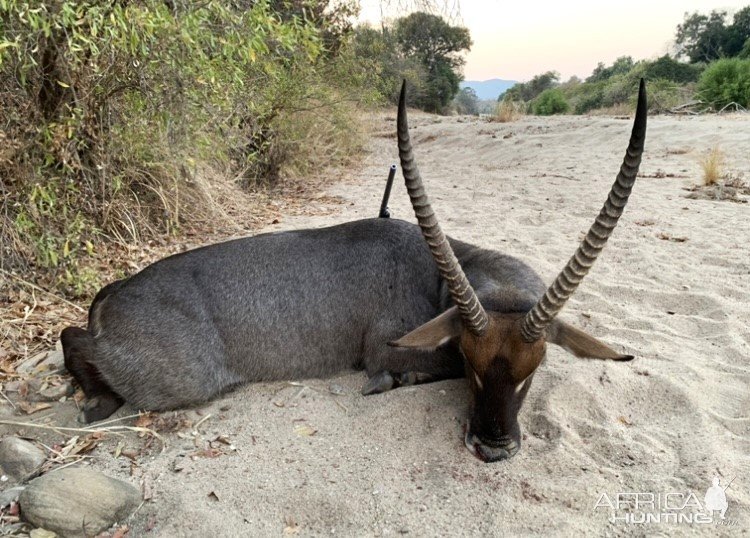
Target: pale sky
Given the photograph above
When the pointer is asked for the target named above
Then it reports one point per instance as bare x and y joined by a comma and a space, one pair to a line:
519, 39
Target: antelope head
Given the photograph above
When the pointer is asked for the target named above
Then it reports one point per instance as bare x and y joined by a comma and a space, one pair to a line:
504, 349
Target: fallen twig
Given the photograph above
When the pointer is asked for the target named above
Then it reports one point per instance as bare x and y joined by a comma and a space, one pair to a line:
8, 400
42, 290
117, 430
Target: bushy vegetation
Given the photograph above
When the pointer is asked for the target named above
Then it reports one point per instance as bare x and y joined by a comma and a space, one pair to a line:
610, 86
549, 102
726, 81
421, 48
109, 110
705, 38
528, 91
715, 73
466, 102
712, 164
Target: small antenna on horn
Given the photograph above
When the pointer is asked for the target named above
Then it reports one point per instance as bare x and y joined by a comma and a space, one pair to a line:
384, 212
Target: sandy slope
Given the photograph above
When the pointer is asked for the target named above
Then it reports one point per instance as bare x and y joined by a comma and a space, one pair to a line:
395, 463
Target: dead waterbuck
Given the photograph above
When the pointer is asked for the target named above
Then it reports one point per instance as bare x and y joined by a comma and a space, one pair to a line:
309, 303
501, 333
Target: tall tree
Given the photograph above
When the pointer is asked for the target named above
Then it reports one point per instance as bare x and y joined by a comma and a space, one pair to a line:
738, 33
702, 38
620, 66
438, 47
526, 91
467, 102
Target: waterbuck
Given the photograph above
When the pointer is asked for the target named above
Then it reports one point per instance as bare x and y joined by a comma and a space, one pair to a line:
310, 303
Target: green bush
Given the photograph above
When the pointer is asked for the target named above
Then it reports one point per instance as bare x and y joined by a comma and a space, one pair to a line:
726, 81
667, 68
549, 102
108, 109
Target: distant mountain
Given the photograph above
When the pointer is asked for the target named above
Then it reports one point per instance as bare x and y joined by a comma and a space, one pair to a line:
488, 89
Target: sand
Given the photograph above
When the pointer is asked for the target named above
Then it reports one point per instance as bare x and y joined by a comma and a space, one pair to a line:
672, 288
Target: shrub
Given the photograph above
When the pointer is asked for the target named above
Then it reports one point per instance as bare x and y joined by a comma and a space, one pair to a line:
667, 68
726, 81
507, 110
107, 111
526, 91
550, 102
712, 164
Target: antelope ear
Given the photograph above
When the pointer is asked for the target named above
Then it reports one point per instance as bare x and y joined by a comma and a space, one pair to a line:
434, 333
581, 344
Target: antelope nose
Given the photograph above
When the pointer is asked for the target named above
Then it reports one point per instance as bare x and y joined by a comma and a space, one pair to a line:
491, 453
502, 449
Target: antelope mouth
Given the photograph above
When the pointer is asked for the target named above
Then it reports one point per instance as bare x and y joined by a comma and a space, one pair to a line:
490, 450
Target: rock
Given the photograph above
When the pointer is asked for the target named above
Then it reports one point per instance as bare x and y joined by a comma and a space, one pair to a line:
77, 502
10, 495
19, 459
14, 529
335, 388
46, 362
53, 393
42, 533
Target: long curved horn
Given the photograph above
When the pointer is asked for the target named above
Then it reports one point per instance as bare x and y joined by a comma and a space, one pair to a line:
472, 314
567, 281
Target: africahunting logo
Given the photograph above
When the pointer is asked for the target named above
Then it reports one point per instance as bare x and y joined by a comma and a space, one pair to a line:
675, 507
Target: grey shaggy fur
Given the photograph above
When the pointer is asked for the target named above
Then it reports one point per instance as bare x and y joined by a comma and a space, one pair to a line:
287, 305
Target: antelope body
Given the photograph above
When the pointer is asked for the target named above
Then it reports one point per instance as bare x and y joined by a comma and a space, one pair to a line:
407, 305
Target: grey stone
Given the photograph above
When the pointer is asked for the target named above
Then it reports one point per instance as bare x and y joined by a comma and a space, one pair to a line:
42, 533
44, 363
77, 502
53, 393
14, 529
10, 495
335, 388
19, 459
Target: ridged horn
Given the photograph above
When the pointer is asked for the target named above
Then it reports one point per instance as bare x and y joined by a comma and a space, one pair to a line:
472, 314
539, 317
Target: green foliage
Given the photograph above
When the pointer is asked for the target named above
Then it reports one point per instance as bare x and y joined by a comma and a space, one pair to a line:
107, 109
726, 81
421, 48
526, 91
621, 66
667, 68
378, 53
705, 38
437, 46
612, 86
701, 37
467, 102
549, 102
431, 39
738, 33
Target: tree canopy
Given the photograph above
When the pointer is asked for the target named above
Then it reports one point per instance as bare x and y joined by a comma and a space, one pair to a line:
421, 48
526, 91
704, 38
432, 40
437, 46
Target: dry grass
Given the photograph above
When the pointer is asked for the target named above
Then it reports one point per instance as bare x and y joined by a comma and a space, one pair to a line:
33, 311
620, 110
712, 164
507, 111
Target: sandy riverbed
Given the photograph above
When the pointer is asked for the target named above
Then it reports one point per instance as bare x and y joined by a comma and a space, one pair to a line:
672, 288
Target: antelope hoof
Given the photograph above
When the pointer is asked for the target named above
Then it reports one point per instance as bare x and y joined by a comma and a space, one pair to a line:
99, 408
414, 378
380, 382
